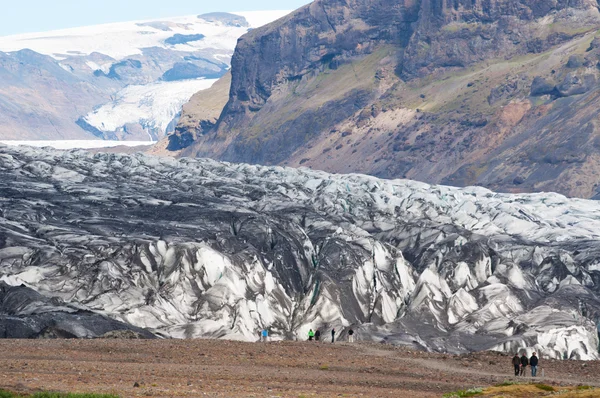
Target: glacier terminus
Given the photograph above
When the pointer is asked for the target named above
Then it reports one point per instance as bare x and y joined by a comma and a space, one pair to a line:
195, 248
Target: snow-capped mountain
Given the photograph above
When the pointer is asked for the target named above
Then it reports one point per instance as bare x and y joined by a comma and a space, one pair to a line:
199, 248
114, 63
214, 31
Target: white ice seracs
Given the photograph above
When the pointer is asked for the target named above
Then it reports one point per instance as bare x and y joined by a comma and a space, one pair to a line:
152, 106
199, 248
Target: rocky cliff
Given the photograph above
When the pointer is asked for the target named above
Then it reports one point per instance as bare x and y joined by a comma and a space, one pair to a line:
500, 93
200, 114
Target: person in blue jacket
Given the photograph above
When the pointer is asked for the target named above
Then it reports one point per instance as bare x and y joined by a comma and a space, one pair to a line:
533, 362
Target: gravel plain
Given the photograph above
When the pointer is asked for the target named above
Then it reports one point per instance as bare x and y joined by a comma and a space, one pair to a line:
217, 368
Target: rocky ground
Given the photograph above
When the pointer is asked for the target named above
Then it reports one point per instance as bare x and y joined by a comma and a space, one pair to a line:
174, 368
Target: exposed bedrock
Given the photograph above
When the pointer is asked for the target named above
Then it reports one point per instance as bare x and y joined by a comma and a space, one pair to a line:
457, 92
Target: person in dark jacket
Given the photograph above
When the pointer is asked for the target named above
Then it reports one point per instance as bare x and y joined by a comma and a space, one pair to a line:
351, 336
333, 335
516, 361
318, 335
524, 363
533, 362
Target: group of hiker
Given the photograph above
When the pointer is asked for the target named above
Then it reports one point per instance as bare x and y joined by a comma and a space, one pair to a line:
317, 335
521, 363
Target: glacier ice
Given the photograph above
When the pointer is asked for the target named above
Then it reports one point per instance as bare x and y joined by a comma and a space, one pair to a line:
195, 248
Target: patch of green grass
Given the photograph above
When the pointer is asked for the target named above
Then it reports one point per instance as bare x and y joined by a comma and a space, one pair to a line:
472, 392
545, 387
585, 387
506, 383
59, 395
313, 92
569, 29
324, 367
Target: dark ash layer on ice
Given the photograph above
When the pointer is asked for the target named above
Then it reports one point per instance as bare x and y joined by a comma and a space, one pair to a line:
24, 313
198, 248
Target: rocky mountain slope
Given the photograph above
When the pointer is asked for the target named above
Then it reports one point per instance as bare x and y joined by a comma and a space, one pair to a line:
200, 113
500, 93
41, 100
124, 81
199, 248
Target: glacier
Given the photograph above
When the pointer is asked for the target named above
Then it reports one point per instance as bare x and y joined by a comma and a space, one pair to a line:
77, 144
146, 70
154, 106
195, 248
120, 40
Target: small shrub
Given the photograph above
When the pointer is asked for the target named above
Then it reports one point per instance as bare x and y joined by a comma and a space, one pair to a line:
545, 387
472, 392
46, 394
506, 383
61, 395
324, 367
585, 387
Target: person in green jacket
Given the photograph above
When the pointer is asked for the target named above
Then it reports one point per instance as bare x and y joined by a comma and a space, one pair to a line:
311, 334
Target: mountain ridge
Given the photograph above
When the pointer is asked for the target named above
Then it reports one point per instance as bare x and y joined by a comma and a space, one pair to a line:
119, 81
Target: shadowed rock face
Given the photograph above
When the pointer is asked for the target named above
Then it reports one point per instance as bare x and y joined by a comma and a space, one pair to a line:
225, 18
198, 116
183, 39
327, 30
199, 248
315, 37
431, 90
460, 33
185, 71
